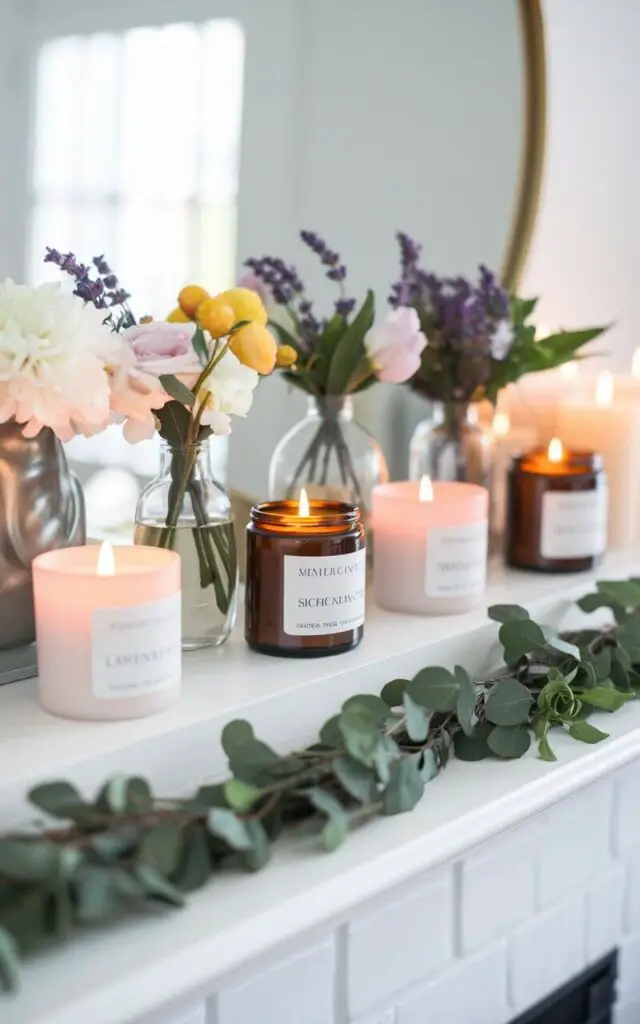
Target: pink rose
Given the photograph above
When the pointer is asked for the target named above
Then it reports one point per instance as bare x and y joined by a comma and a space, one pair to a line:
394, 346
160, 347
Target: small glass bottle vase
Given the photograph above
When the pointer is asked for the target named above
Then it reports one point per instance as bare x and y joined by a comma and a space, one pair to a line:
186, 510
452, 445
330, 455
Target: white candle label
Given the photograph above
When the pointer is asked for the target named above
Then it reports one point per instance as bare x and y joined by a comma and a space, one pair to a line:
136, 648
456, 560
323, 595
574, 524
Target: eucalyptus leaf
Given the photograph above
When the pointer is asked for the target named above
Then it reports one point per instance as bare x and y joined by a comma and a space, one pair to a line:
593, 602
375, 705
226, 825
508, 703
194, 867
157, 887
626, 592
29, 860
260, 852
161, 847
359, 726
110, 846
393, 692
474, 747
330, 734
509, 741
586, 732
416, 719
336, 829
236, 734
241, 795
435, 689
466, 700
556, 643
404, 789
9, 962
520, 637
427, 764
620, 669
386, 753
541, 728
358, 781
62, 800
606, 698
175, 387
507, 613
628, 636
97, 894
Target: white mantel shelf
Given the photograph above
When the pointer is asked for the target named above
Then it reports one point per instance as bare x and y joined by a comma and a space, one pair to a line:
140, 965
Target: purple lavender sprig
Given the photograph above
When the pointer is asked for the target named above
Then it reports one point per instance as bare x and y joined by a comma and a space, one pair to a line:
103, 290
468, 324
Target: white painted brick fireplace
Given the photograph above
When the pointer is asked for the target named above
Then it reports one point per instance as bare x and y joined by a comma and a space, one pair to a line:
476, 941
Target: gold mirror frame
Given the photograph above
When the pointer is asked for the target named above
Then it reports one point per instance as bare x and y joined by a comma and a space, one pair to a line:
533, 150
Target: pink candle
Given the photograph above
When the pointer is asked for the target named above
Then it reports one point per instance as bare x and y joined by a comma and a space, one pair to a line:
430, 546
108, 631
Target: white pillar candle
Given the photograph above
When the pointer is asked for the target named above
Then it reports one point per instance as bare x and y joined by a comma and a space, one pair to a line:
108, 631
509, 442
606, 423
430, 546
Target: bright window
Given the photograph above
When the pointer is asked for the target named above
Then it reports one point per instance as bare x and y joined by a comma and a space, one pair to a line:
136, 156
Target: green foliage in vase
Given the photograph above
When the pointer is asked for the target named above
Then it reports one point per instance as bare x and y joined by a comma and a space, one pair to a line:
127, 847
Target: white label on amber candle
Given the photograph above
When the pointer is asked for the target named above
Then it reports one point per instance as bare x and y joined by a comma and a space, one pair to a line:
136, 648
323, 595
456, 560
574, 524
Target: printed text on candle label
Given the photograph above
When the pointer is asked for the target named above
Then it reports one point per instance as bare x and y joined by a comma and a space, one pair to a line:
323, 595
574, 524
136, 648
456, 560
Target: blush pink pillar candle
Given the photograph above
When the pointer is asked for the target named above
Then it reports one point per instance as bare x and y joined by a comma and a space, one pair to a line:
108, 631
430, 546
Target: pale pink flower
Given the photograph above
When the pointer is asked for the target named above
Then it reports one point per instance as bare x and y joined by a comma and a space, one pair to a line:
255, 284
160, 347
394, 346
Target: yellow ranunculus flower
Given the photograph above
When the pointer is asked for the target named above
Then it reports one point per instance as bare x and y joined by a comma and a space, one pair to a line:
246, 305
216, 316
176, 316
286, 356
254, 346
190, 298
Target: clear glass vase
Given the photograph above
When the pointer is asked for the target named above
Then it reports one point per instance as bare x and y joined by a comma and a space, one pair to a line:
330, 455
452, 445
186, 510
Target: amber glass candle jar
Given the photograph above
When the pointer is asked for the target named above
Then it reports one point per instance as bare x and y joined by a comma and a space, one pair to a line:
557, 510
305, 578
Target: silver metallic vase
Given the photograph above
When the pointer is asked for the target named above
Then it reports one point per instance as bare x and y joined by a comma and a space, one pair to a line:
41, 508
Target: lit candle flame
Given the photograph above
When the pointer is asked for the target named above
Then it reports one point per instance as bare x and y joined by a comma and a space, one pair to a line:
555, 451
501, 424
425, 490
303, 503
604, 389
106, 560
635, 364
571, 369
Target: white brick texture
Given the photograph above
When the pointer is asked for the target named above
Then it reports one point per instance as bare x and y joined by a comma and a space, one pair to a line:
546, 953
497, 888
299, 990
605, 900
479, 941
627, 819
404, 940
474, 992
575, 842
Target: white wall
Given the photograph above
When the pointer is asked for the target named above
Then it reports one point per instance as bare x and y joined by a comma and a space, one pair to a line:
586, 253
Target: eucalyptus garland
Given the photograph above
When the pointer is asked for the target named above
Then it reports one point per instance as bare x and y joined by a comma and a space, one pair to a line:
112, 855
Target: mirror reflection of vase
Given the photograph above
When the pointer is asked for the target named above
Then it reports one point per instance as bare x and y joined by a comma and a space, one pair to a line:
41, 508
